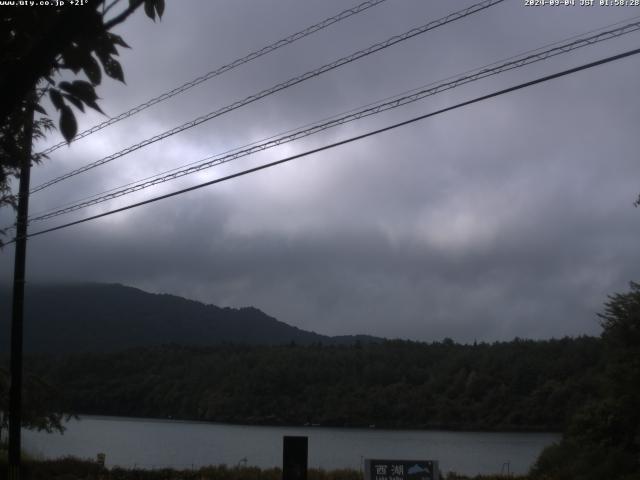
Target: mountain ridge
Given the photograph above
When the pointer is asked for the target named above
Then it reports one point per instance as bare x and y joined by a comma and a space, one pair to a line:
99, 317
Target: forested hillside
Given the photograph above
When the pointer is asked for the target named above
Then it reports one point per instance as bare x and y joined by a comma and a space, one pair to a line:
525, 385
110, 317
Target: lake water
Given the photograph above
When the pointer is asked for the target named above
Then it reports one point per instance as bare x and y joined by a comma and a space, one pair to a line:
144, 443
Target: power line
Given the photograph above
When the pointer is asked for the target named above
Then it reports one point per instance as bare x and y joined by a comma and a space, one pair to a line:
392, 97
344, 142
281, 86
372, 109
223, 69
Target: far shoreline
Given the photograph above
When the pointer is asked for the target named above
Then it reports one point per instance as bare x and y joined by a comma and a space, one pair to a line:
434, 429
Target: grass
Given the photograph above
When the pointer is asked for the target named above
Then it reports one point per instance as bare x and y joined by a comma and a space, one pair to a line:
71, 468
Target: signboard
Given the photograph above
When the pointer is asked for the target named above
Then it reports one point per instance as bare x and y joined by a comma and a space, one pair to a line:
401, 470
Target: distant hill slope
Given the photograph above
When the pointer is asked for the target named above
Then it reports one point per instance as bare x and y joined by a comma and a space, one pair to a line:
111, 317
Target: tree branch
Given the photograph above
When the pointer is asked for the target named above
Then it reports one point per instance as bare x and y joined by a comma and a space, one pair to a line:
109, 7
124, 15
38, 61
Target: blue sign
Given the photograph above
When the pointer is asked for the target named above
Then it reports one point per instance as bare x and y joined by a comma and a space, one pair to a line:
401, 470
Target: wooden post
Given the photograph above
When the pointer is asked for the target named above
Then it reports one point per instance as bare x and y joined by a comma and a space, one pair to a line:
294, 458
15, 390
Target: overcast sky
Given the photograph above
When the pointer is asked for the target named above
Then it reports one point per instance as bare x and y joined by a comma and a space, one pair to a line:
512, 217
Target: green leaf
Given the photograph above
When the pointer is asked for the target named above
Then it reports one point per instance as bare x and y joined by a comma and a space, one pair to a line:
56, 99
104, 48
66, 86
75, 101
83, 91
160, 7
94, 105
92, 70
103, 57
72, 57
39, 109
149, 9
117, 40
68, 124
113, 69
107, 45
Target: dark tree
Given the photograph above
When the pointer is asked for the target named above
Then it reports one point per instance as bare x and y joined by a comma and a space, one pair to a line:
603, 438
42, 405
37, 45
40, 43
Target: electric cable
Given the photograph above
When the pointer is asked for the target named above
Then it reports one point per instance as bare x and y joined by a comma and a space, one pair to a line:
539, 49
281, 86
372, 109
223, 69
344, 142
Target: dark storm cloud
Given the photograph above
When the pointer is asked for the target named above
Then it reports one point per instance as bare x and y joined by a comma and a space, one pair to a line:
512, 217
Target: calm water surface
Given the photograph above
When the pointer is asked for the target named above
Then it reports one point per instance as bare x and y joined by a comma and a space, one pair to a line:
147, 443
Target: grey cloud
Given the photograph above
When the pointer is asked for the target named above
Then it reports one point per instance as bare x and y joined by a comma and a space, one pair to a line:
509, 218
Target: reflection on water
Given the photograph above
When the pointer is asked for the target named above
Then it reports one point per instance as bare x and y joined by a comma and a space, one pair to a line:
146, 443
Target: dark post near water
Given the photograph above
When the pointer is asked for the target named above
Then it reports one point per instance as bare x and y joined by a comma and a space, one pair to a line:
294, 458
15, 390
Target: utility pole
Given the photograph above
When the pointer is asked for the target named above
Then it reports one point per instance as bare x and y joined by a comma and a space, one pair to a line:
15, 391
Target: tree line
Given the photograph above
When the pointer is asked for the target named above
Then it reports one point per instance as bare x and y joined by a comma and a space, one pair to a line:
517, 385
587, 387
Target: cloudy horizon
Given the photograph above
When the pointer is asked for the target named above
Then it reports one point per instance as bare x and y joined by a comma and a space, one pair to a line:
511, 217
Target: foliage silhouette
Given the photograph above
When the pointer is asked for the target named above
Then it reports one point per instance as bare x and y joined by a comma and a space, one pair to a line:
391, 384
39, 44
603, 437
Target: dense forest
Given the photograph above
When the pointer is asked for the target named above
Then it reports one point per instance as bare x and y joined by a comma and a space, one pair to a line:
587, 387
518, 385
